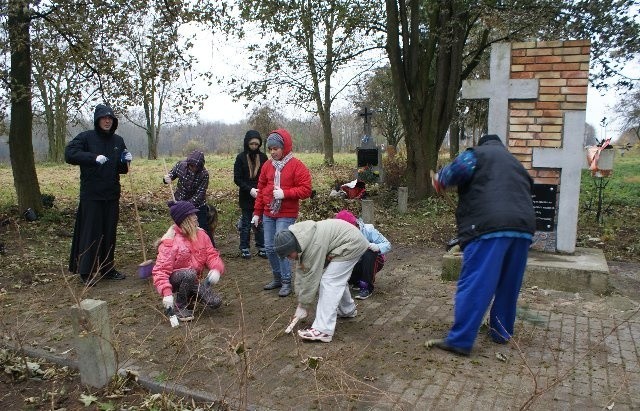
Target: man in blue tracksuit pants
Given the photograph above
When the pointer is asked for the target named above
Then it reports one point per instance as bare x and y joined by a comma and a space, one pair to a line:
496, 221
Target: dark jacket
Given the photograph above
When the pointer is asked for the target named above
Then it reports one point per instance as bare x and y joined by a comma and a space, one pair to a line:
497, 197
98, 182
242, 175
192, 186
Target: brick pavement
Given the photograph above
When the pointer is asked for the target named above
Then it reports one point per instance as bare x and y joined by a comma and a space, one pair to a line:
570, 352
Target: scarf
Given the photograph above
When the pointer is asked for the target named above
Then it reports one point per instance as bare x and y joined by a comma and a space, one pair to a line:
278, 165
253, 162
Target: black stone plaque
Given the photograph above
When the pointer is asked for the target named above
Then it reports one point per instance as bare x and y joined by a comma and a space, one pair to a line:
367, 157
544, 203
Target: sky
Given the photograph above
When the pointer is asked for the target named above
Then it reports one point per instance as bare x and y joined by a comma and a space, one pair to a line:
228, 57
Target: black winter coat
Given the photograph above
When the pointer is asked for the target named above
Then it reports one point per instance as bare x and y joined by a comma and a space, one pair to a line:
241, 173
98, 182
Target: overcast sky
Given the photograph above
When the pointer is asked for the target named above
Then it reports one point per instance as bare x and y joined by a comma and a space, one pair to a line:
230, 57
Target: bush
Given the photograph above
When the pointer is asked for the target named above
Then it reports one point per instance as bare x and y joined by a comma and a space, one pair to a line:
193, 145
395, 168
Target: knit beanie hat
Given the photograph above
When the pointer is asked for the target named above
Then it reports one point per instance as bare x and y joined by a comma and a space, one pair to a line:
347, 216
275, 140
285, 243
180, 210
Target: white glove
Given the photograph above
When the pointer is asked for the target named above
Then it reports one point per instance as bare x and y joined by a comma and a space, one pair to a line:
374, 247
101, 159
254, 192
167, 301
212, 278
278, 194
300, 312
255, 220
126, 156
166, 179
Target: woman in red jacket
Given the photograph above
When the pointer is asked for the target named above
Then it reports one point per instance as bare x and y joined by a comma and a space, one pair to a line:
284, 181
184, 251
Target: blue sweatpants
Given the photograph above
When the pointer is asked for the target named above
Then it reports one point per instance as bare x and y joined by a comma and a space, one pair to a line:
491, 268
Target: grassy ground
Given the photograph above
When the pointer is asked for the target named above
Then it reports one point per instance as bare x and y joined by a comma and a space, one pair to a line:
430, 220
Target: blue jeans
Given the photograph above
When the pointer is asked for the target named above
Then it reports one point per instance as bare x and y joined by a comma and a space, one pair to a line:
245, 231
202, 214
280, 267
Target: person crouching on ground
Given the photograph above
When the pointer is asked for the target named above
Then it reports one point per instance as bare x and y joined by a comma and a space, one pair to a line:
184, 251
326, 252
364, 273
496, 222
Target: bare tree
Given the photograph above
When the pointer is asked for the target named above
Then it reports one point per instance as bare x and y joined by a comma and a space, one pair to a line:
307, 43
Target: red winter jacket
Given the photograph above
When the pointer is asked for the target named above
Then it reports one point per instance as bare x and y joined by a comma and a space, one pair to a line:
295, 181
177, 252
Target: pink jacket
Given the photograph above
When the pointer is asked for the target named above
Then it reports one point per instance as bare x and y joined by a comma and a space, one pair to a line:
177, 252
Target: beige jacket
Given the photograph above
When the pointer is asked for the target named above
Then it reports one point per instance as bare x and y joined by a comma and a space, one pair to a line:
321, 242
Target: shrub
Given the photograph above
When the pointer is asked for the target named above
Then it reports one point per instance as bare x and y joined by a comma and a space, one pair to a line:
193, 145
395, 168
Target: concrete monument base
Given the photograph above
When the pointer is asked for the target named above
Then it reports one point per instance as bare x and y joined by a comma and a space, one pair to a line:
586, 269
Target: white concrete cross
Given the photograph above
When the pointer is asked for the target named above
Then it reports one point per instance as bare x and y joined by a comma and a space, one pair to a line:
499, 89
570, 159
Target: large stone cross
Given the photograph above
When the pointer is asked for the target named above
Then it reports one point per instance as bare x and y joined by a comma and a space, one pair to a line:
499, 89
570, 159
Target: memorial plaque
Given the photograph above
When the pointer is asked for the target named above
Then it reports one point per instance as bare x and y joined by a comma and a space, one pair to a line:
367, 157
544, 203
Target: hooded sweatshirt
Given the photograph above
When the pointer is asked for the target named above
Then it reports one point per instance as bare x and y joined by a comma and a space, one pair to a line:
295, 182
336, 239
246, 170
98, 181
192, 186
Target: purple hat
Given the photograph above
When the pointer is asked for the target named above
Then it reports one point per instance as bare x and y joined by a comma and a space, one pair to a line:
180, 210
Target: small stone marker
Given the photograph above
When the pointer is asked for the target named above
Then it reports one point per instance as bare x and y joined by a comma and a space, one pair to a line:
96, 356
367, 211
403, 195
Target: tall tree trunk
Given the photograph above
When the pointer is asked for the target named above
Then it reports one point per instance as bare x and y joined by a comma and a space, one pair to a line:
23, 165
327, 140
60, 130
427, 75
454, 140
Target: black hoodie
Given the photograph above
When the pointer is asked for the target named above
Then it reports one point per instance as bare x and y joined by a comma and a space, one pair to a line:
242, 175
98, 181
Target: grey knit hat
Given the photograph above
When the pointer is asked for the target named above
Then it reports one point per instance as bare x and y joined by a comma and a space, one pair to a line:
285, 243
275, 140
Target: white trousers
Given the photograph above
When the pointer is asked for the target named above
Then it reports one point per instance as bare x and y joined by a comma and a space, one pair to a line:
334, 295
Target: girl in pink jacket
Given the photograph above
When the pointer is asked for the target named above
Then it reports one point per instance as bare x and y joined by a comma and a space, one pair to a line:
184, 251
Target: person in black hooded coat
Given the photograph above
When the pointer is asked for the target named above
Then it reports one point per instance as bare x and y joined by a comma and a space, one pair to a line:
102, 156
246, 171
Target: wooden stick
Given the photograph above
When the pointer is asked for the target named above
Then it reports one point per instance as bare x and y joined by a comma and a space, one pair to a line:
291, 325
135, 209
167, 173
